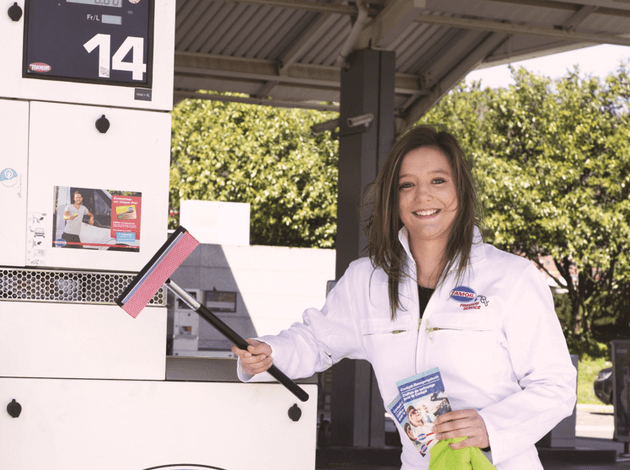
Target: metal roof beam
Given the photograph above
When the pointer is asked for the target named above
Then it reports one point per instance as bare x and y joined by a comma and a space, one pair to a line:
207, 65
265, 90
390, 23
194, 63
308, 5
512, 28
508, 57
179, 95
578, 17
297, 51
473, 59
608, 4
548, 48
612, 8
436, 69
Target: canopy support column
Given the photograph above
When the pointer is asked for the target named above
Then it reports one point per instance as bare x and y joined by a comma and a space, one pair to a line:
367, 88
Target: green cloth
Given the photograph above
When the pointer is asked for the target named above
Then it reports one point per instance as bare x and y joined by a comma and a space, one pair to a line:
469, 458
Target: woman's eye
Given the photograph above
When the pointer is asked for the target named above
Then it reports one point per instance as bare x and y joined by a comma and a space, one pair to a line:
404, 185
439, 181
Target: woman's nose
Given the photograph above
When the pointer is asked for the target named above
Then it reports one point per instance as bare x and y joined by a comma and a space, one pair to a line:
422, 192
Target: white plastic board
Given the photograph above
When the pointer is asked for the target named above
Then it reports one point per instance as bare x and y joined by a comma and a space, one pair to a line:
13, 181
67, 151
44, 339
126, 425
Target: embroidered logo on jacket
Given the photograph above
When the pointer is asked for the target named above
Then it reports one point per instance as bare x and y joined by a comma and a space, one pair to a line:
468, 298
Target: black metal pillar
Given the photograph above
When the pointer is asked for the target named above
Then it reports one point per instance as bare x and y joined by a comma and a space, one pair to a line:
367, 87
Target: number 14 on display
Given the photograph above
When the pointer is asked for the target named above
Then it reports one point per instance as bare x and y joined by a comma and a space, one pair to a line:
103, 41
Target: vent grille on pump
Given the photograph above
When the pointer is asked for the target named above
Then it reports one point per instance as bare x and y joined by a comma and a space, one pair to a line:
19, 284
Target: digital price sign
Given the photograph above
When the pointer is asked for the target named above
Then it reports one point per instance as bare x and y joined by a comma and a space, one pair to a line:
90, 41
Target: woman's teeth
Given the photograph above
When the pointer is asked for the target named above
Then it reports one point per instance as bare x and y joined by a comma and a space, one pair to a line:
426, 213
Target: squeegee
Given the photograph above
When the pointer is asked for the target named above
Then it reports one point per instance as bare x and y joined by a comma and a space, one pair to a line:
156, 274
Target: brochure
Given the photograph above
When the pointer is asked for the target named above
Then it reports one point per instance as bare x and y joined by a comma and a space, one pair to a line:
421, 398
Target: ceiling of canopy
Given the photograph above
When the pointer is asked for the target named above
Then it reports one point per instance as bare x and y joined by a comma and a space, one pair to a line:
289, 53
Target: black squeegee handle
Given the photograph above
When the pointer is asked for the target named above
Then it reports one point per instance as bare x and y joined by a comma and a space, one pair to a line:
233, 336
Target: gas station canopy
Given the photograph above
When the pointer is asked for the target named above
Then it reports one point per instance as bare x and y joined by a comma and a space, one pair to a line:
301, 53
289, 53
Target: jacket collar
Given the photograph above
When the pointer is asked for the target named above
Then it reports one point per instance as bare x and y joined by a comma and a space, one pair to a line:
403, 237
477, 253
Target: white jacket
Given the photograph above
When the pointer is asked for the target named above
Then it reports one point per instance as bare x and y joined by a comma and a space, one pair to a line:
496, 340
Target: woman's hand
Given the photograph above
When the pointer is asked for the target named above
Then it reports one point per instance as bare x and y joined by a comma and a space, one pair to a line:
462, 423
256, 359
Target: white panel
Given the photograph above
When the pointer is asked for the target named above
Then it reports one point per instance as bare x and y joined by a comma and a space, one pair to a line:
298, 276
12, 85
216, 222
67, 150
13, 181
105, 425
81, 341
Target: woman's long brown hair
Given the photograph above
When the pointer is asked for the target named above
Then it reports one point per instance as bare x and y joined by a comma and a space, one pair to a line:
383, 224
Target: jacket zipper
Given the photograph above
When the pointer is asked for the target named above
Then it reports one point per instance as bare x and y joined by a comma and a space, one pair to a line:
428, 330
437, 328
394, 332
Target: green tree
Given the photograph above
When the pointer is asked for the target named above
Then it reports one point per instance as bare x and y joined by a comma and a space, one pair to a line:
267, 157
552, 161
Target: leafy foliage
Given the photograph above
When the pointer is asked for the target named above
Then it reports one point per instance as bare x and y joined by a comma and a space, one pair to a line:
552, 161
267, 157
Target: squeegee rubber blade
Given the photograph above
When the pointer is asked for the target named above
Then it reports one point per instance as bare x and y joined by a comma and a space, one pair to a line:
144, 286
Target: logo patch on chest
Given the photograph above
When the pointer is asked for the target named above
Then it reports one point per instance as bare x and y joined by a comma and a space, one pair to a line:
468, 299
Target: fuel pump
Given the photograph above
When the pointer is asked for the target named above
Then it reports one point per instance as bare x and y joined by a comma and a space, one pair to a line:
86, 87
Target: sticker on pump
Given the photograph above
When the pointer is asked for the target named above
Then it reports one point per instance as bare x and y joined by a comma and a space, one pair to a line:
40, 67
36, 238
8, 177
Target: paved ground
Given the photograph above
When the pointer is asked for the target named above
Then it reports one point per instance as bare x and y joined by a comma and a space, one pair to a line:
594, 432
595, 421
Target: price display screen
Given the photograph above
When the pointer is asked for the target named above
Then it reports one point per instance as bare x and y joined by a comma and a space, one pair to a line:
102, 3
90, 41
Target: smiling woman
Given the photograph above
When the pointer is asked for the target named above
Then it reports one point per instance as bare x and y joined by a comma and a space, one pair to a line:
432, 296
450, 171
427, 205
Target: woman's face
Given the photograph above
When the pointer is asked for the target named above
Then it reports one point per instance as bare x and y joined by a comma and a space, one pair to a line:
427, 196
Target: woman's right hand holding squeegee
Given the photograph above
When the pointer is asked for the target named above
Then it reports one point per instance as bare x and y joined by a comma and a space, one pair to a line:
256, 359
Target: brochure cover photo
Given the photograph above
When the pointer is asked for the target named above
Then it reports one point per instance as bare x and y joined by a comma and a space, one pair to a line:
421, 398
